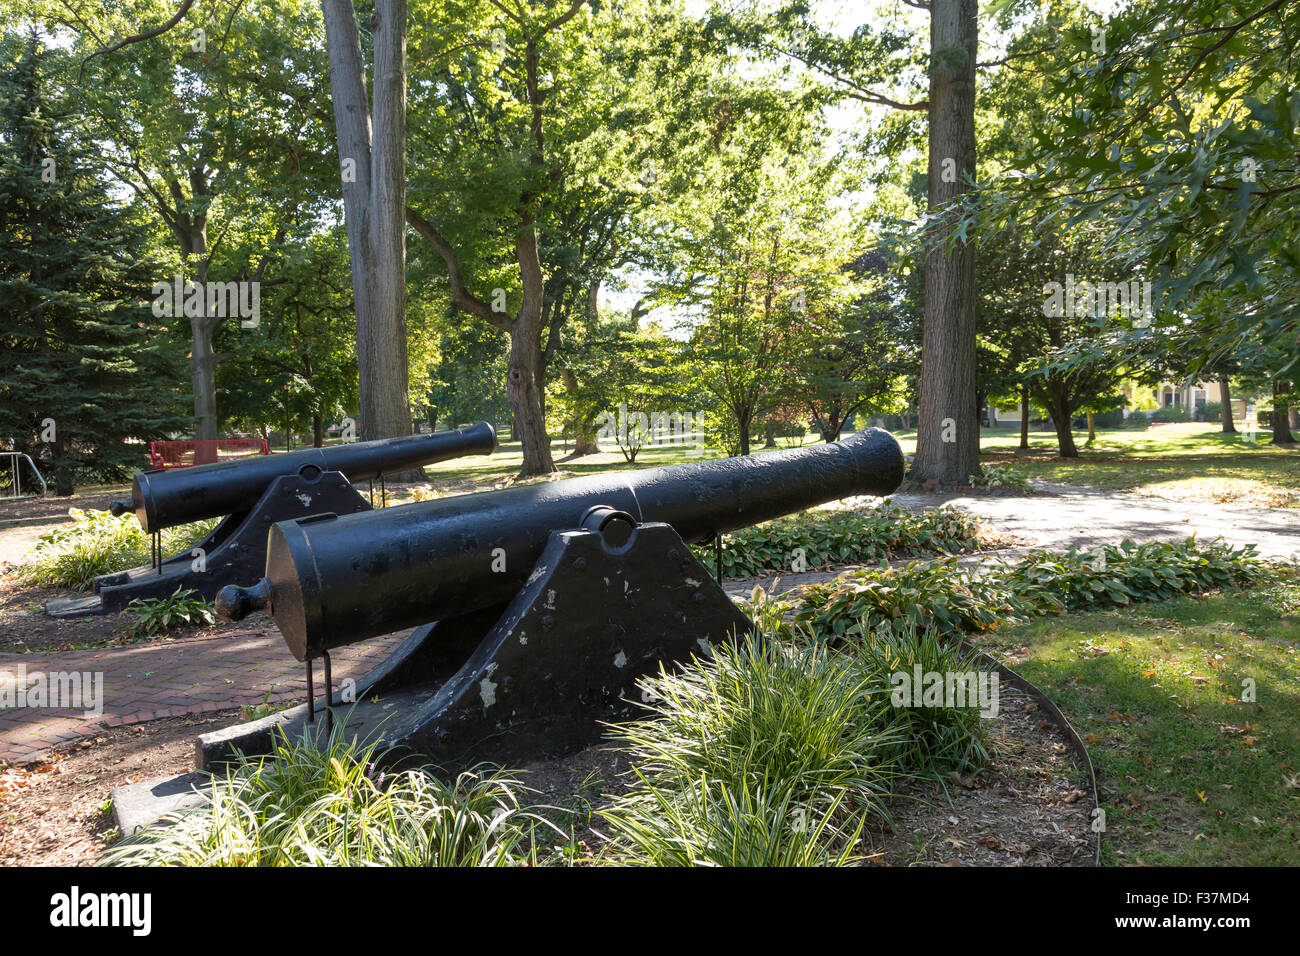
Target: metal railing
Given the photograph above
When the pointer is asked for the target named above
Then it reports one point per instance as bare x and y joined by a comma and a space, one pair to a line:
15, 480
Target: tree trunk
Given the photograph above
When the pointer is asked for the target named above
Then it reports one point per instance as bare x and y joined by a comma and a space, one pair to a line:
203, 378
586, 436
374, 207
743, 420
1092, 431
1024, 417
1225, 407
948, 341
524, 377
317, 431
832, 429
769, 435
1280, 416
1059, 409
524, 392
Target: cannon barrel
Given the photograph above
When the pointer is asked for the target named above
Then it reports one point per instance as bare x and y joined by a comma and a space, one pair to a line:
332, 581
162, 499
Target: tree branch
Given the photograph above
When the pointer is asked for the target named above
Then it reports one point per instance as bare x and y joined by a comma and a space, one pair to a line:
464, 299
140, 37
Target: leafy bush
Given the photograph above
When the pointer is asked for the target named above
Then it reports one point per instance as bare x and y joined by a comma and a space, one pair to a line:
94, 543
916, 598
1127, 573
1113, 418
938, 597
1003, 476
1170, 413
182, 609
818, 539
310, 807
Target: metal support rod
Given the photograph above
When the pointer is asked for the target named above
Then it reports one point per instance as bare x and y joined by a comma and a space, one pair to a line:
329, 695
372, 494
383, 491
311, 703
717, 557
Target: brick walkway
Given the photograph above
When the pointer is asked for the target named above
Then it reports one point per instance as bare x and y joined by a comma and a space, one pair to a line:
166, 679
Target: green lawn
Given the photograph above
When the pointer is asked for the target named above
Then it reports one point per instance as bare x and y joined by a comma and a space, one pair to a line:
1188, 462
508, 458
1192, 462
1190, 771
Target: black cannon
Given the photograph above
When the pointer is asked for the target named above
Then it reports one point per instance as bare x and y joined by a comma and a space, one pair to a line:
253, 494
548, 600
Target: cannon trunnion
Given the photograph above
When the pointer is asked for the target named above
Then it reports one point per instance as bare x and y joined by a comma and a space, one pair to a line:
548, 601
254, 494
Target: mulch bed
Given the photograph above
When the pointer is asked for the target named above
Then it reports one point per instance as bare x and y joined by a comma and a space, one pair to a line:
51, 813
1030, 808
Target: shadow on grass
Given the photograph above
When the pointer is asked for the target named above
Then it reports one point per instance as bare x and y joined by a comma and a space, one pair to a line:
1191, 770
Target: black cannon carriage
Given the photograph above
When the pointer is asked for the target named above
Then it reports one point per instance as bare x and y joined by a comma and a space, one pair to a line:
251, 495
548, 601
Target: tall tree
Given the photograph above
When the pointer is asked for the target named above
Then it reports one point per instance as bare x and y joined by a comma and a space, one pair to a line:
862, 68
372, 160
198, 124
543, 121
84, 366
947, 431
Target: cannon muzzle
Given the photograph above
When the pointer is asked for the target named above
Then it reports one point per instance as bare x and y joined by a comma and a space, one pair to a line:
163, 499
337, 580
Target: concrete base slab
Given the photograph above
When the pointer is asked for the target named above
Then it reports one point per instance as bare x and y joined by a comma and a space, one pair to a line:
138, 805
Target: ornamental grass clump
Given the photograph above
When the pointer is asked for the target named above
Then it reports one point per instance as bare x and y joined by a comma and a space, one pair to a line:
765, 753
305, 806
939, 739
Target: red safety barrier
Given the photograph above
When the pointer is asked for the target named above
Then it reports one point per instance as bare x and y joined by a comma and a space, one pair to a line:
184, 454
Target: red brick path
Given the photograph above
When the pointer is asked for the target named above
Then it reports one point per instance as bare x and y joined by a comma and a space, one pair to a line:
169, 679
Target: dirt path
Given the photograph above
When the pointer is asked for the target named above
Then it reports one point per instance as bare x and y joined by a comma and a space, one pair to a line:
1066, 515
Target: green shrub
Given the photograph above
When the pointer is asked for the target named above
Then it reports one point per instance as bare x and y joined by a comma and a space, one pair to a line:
1170, 413
310, 807
820, 539
1003, 476
182, 609
1127, 573
764, 754
939, 739
1113, 418
916, 598
94, 543
938, 597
